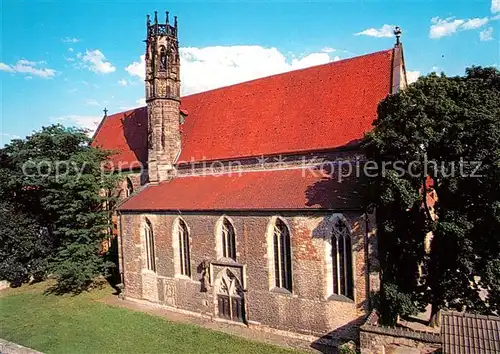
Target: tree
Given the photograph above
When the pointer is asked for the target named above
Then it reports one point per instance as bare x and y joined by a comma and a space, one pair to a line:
441, 133
25, 246
56, 176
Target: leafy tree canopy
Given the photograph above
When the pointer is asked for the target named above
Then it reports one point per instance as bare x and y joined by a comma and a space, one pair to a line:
441, 134
55, 177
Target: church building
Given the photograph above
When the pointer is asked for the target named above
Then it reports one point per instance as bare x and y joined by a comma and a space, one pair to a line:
246, 204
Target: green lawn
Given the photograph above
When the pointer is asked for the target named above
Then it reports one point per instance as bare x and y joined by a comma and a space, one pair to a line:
81, 324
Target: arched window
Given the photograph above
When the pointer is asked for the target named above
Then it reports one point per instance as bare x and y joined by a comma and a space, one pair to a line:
342, 260
129, 188
230, 296
282, 256
228, 239
163, 58
149, 246
183, 249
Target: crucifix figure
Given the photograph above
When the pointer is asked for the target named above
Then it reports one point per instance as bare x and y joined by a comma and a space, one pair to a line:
340, 225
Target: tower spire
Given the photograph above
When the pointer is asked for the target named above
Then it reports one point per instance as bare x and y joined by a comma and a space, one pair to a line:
166, 17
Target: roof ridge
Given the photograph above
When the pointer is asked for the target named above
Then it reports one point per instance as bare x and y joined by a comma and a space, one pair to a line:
281, 114
332, 63
470, 315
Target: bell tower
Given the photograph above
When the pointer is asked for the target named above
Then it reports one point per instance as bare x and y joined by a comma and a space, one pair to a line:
162, 97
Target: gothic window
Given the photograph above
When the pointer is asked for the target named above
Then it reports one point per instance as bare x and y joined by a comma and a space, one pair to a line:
342, 260
282, 256
129, 189
230, 299
149, 246
172, 52
163, 58
228, 239
183, 249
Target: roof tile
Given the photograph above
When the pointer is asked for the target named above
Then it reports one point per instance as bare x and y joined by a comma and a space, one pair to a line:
465, 333
269, 190
321, 107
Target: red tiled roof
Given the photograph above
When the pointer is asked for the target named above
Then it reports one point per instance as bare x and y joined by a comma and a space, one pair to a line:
321, 107
126, 135
465, 333
264, 190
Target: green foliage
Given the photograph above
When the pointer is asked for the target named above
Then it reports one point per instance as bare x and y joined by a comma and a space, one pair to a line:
446, 131
395, 302
24, 246
348, 348
56, 175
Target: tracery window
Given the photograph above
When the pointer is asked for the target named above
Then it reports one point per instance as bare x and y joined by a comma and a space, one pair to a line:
282, 256
183, 248
228, 239
341, 253
230, 297
149, 246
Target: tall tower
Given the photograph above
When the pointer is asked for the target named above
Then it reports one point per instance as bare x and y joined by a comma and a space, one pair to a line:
162, 97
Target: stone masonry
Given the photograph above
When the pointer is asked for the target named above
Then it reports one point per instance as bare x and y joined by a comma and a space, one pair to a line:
309, 309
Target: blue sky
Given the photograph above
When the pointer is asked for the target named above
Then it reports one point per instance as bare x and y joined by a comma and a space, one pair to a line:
66, 61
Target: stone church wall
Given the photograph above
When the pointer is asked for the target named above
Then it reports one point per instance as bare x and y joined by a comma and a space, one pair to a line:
309, 309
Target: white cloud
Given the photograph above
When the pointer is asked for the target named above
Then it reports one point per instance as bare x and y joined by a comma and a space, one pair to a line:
212, 67
71, 50
30, 68
87, 122
448, 26
384, 31
486, 35
123, 82
5, 67
475, 23
95, 61
495, 6
70, 40
412, 76
328, 50
141, 102
443, 27
138, 68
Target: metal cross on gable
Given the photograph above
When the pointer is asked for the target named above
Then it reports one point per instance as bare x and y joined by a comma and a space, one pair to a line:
397, 33
105, 110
